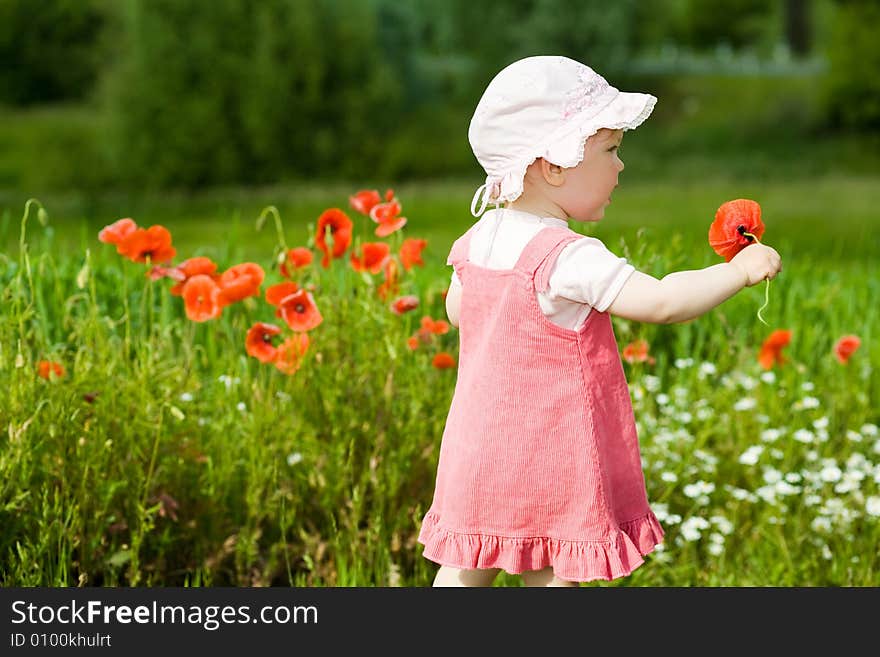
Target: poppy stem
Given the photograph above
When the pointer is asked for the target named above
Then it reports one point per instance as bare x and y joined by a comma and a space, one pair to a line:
767, 289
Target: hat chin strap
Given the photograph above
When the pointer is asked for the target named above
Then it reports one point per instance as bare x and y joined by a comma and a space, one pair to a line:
482, 189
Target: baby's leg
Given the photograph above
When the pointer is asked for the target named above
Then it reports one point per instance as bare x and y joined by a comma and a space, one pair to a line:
449, 576
544, 577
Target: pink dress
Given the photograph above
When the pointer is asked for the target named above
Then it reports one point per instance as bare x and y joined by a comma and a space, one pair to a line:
539, 462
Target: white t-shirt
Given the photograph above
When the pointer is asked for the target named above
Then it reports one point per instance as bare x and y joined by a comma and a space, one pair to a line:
586, 274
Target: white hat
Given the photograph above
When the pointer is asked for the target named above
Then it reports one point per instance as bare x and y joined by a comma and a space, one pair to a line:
544, 106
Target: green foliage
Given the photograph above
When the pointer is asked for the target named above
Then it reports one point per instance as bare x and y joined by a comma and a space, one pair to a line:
50, 49
196, 465
852, 86
237, 91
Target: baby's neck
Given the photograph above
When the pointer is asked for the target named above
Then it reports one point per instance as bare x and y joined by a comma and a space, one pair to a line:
540, 208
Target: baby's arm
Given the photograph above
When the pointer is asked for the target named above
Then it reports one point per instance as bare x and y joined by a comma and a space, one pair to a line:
684, 295
453, 301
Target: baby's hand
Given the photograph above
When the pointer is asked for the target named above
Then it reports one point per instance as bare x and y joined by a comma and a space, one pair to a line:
757, 262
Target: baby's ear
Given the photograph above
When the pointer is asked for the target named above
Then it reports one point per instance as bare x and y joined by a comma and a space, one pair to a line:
551, 173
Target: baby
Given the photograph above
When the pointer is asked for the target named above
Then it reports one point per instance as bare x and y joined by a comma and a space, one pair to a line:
540, 471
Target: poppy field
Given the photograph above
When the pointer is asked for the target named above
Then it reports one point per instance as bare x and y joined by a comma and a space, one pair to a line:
176, 419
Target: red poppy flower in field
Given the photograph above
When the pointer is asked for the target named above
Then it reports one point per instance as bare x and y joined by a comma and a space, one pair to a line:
412, 342
737, 224
390, 286
433, 326
387, 215
771, 350
373, 256
637, 352
299, 311
296, 258
443, 361
258, 342
240, 281
411, 252
340, 226
275, 294
187, 269
404, 304
201, 298
153, 243
365, 200
845, 347
289, 354
117, 231
49, 368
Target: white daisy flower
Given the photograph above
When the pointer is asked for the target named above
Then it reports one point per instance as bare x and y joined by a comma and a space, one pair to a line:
821, 524
669, 476
692, 527
807, 386
803, 436
777, 453
751, 455
772, 475
698, 488
293, 458
770, 435
716, 549
723, 524
872, 506
241, 406
684, 417
681, 363
705, 414
768, 377
745, 404
821, 423
662, 399
707, 368
810, 402
854, 436
830, 473
186, 396
869, 430
652, 382
826, 552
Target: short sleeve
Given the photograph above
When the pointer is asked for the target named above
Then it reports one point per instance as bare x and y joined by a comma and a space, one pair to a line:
587, 272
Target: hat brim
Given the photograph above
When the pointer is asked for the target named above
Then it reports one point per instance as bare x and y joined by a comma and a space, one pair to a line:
627, 111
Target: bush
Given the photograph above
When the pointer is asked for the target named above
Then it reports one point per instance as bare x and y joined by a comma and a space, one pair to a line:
851, 91
49, 49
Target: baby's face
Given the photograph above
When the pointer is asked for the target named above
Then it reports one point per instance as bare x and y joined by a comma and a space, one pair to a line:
588, 186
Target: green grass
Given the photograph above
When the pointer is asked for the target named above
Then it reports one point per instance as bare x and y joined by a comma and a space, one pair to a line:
85, 487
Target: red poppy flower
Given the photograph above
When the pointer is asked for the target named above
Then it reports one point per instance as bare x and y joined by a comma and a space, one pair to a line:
432, 326
373, 255
637, 352
411, 252
737, 224
443, 361
845, 347
49, 368
364, 200
289, 354
412, 343
297, 258
340, 226
275, 294
258, 342
404, 304
187, 269
387, 215
201, 298
390, 286
389, 194
240, 281
299, 311
771, 350
117, 231
153, 243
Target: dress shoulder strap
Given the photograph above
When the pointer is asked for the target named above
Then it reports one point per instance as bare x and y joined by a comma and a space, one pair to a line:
540, 253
